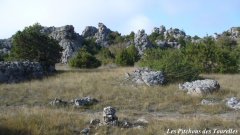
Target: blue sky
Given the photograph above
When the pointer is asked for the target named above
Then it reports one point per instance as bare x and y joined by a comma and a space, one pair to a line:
195, 17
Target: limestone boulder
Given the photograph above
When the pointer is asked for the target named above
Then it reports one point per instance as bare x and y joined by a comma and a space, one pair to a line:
200, 87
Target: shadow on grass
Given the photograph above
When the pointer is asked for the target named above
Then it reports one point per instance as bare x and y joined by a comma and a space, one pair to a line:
56, 73
8, 131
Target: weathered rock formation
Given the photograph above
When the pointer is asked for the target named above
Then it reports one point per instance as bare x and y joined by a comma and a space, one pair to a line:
11, 72
78, 102
109, 116
209, 102
165, 44
146, 76
85, 101
68, 39
200, 87
141, 41
176, 33
89, 32
170, 37
234, 32
100, 34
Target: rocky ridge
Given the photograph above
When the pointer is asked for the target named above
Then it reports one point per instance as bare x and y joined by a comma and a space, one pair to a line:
68, 39
71, 41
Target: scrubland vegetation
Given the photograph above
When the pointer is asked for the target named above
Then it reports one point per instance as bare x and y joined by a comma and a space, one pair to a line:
25, 106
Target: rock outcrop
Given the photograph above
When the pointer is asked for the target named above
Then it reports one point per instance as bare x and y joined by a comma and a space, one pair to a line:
85, 101
89, 32
200, 87
141, 41
109, 116
234, 32
11, 72
165, 44
209, 102
176, 33
78, 102
68, 39
100, 34
146, 76
233, 103
169, 38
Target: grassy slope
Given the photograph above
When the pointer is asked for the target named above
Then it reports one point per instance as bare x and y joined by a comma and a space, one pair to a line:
25, 109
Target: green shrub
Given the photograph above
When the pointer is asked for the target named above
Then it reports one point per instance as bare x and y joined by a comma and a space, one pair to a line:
213, 57
171, 62
105, 56
127, 57
115, 37
133, 53
84, 59
91, 46
31, 44
130, 37
123, 58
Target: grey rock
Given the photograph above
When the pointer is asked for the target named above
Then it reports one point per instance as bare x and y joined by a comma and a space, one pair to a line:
233, 103
102, 35
68, 39
5, 46
200, 87
147, 76
176, 33
161, 43
209, 102
85, 101
85, 131
109, 116
79, 102
234, 32
141, 41
165, 44
89, 32
11, 72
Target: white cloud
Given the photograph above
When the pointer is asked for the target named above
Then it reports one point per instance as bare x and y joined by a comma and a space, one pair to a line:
137, 23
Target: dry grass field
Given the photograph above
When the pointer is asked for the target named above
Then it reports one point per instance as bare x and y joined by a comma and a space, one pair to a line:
25, 109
